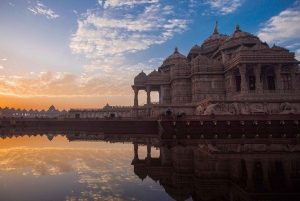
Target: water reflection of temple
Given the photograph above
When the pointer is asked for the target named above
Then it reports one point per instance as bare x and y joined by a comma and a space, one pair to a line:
211, 170
224, 171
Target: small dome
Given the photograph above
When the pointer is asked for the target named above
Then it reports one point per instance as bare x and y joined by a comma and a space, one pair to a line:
238, 38
201, 64
154, 73
173, 58
154, 76
140, 79
181, 68
196, 50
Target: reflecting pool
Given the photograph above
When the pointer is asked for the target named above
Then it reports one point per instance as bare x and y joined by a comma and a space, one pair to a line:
83, 166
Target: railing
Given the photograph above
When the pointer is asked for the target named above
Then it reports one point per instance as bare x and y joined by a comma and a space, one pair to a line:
231, 117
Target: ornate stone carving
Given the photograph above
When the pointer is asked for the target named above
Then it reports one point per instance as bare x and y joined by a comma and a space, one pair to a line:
210, 109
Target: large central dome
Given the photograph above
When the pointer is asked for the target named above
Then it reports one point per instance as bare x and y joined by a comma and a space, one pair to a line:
238, 38
210, 44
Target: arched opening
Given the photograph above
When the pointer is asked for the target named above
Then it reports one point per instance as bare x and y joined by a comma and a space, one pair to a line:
142, 97
154, 97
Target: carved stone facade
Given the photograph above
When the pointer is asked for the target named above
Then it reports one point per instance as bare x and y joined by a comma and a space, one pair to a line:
106, 111
239, 73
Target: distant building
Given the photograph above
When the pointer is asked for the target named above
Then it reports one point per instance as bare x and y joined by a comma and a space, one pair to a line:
236, 74
106, 111
50, 113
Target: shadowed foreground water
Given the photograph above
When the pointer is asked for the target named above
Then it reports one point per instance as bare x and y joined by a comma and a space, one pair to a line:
72, 167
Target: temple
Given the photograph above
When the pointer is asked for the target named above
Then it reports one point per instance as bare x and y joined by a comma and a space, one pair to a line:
236, 74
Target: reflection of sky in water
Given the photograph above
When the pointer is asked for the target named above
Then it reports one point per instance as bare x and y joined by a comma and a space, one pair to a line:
72, 171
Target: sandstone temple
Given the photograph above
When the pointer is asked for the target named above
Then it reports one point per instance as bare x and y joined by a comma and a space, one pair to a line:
230, 75
236, 74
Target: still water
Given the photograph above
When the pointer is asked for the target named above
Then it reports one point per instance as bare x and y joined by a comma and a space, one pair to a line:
34, 168
69, 167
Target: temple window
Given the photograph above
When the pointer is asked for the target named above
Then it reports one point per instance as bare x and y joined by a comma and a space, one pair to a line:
271, 82
252, 82
238, 83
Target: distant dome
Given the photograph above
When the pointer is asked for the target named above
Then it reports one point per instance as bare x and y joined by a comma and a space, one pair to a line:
50, 136
196, 50
213, 41
181, 68
51, 108
154, 73
107, 106
173, 58
238, 38
140, 79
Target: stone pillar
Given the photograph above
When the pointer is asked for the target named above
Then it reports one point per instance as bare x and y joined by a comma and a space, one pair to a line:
293, 77
257, 70
159, 95
242, 69
265, 168
136, 148
277, 70
148, 154
136, 101
148, 89
250, 183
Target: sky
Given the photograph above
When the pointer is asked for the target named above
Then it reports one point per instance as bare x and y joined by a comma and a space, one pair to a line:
84, 54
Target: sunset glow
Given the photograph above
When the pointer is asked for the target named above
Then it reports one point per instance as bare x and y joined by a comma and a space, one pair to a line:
86, 53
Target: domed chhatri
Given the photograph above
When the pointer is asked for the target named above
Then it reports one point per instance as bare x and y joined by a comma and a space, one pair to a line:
239, 70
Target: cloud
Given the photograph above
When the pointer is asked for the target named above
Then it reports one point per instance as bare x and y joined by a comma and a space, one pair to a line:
297, 54
106, 38
220, 7
282, 27
1, 67
99, 36
11, 4
74, 11
119, 3
293, 45
42, 10
59, 84
3, 59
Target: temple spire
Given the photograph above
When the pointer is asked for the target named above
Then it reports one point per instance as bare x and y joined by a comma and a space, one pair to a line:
237, 27
216, 28
176, 50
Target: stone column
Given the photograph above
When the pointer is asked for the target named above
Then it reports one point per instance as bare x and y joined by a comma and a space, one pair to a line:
257, 70
242, 69
265, 168
159, 95
293, 78
136, 148
250, 183
277, 70
148, 154
136, 101
148, 94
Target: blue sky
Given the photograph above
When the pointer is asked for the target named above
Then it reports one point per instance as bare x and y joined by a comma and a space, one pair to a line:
70, 52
